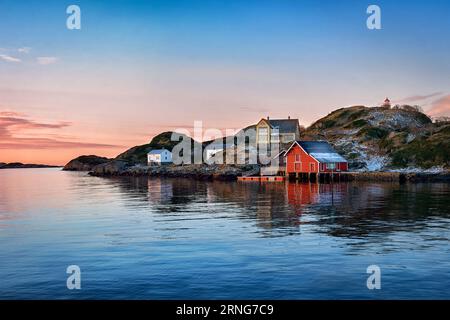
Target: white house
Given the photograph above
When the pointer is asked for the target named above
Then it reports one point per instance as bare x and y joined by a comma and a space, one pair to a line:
159, 156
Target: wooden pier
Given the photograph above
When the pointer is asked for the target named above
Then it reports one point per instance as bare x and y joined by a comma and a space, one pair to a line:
331, 177
327, 177
262, 178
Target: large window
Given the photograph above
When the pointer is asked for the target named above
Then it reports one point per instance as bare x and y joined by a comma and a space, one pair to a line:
331, 166
275, 137
263, 134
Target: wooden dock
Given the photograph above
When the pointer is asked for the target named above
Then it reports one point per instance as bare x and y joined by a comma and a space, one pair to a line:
262, 178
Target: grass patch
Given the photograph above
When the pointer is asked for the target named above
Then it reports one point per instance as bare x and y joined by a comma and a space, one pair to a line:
374, 133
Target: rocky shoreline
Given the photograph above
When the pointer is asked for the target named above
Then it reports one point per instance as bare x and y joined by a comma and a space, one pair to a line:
232, 172
194, 171
396, 177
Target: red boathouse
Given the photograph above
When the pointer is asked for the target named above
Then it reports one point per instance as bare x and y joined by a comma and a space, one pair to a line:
313, 157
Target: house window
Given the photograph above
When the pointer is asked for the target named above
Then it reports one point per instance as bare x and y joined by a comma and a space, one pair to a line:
298, 167
331, 166
263, 134
297, 158
275, 138
312, 167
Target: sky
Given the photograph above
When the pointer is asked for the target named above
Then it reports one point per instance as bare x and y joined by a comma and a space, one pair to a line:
138, 68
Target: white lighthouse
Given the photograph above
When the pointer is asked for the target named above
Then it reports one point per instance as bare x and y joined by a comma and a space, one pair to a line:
387, 103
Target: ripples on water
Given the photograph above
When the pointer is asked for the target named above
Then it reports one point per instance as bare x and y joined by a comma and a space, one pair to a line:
139, 238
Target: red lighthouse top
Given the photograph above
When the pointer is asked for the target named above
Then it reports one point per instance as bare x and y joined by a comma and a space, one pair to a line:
387, 102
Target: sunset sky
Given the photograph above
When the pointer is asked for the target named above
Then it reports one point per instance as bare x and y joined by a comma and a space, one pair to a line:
137, 68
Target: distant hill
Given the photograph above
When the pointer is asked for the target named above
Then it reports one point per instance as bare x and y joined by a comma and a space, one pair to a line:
19, 165
138, 154
380, 138
85, 163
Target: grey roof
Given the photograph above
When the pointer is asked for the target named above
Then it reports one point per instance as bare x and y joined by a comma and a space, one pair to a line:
158, 151
284, 125
322, 151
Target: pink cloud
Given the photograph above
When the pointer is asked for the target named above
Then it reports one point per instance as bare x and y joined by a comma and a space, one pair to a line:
418, 98
11, 114
13, 127
440, 107
46, 143
46, 60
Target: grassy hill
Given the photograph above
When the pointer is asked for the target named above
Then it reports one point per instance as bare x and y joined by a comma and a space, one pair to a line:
138, 154
381, 138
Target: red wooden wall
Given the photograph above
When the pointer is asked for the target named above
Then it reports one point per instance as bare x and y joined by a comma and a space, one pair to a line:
305, 160
307, 163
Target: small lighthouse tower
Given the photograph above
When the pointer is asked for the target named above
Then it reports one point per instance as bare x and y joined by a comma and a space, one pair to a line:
387, 103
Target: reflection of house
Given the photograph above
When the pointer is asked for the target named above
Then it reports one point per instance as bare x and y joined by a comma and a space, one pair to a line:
160, 191
160, 156
313, 157
277, 131
300, 194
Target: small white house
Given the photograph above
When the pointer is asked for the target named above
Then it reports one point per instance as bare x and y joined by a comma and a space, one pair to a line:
159, 156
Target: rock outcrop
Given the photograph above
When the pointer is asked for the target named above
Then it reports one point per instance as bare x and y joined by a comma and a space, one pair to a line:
196, 171
379, 138
85, 163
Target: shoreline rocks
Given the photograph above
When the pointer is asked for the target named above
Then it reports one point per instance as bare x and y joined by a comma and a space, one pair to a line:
197, 171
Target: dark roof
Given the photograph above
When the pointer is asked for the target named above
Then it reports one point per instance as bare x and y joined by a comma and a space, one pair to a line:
321, 151
284, 125
316, 146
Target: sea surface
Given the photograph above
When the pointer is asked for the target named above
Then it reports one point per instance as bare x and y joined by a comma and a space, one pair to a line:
141, 238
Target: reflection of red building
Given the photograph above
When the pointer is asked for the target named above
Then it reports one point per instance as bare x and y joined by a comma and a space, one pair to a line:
313, 157
300, 194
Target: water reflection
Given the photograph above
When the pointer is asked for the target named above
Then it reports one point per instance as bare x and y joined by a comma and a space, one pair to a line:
351, 210
179, 238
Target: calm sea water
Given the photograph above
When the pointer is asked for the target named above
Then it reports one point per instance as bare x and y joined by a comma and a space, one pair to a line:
139, 238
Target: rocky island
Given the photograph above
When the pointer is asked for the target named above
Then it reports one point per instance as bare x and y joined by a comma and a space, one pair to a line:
399, 143
19, 165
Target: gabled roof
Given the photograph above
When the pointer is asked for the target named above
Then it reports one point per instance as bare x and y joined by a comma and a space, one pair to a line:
284, 125
158, 151
322, 151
